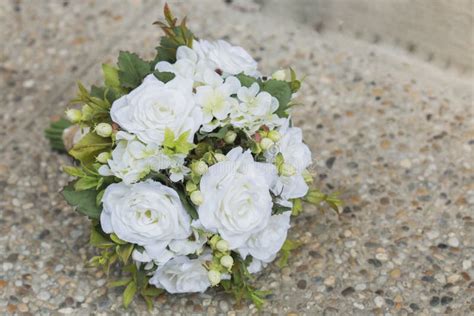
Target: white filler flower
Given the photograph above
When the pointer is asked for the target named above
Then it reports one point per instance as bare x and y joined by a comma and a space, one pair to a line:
265, 244
231, 60
145, 213
154, 106
182, 275
237, 200
132, 160
297, 156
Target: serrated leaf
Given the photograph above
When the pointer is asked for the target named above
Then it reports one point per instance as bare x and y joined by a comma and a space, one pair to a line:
83, 201
280, 90
164, 76
129, 293
246, 80
132, 69
111, 76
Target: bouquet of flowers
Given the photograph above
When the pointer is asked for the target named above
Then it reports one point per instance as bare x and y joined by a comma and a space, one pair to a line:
188, 167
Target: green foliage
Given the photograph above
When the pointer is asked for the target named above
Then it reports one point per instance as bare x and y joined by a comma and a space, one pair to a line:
175, 36
297, 207
95, 107
280, 90
188, 206
180, 145
164, 76
316, 197
87, 149
278, 209
89, 178
54, 133
83, 201
239, 284
132, 69
285, 252
247, 81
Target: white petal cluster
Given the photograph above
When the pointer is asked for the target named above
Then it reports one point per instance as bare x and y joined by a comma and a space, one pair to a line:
237, 200
235, 196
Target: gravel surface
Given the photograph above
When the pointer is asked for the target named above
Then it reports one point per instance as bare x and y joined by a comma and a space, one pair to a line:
395, 136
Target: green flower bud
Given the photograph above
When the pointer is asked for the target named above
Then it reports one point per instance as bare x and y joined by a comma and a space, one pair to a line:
197, 197
222, 245
287, 170
103, 157
200, 168
266, 143
220, 157
274, 135
214, 277
74, 115
227, 262
230, 137
103, 129
279, 75
191, 186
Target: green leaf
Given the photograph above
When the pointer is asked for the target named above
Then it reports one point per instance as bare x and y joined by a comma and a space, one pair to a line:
74, 171
176, 146
86, 183
316, 197
188, 206
152, 291
278, 209
132, 70
285, 252
98, 239
54, 133
117, 240
129, 293
246, 80
83, 201
280, 90
297, 207
120, 283
89, 147
111, 76
124, 252
164, 76
98, 199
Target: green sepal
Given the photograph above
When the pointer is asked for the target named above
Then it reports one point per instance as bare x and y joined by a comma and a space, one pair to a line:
164, 76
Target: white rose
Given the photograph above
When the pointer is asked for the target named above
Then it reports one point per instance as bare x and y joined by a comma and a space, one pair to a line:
154, 106
231, 60
237, 200
145, 213
265, 244
132, 160
296, 155
182, 275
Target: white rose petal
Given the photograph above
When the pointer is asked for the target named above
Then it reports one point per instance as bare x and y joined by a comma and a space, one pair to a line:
154, 106
146, 213
182, 275
265, 244
237, 201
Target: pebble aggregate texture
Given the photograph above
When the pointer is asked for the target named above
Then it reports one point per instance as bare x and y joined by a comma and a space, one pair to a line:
394, 135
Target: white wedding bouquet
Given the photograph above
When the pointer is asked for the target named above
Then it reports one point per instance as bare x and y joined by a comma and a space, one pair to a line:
188, 167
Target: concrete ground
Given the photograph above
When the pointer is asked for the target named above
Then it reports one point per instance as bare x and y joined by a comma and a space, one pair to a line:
394, 135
